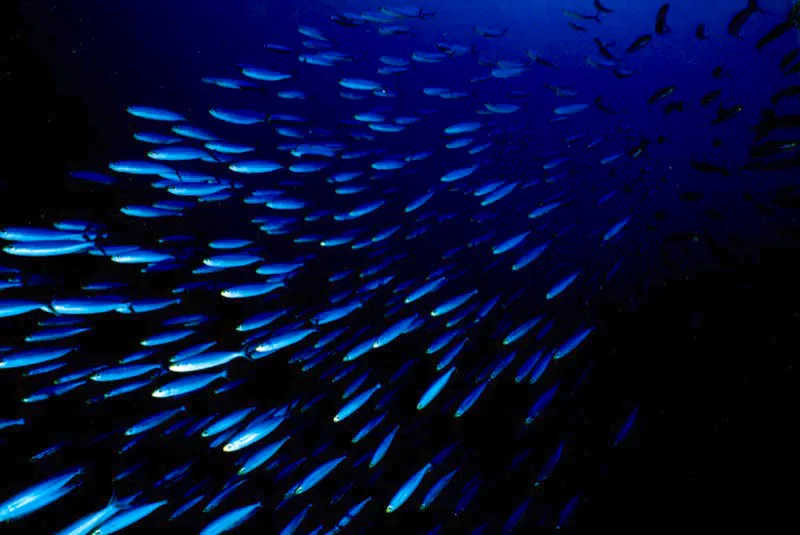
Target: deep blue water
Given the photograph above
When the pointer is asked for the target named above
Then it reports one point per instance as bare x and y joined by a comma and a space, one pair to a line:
694, 243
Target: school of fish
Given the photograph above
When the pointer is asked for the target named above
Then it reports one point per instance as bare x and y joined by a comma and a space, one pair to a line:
383, 286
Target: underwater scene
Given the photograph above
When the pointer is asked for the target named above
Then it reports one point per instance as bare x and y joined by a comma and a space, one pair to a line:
445, 267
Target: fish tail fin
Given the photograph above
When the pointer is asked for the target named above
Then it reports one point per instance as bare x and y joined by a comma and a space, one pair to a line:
597, 18
113, 500
122, 503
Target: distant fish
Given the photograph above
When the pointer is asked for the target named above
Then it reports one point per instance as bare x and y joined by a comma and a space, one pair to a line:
741, 17
639, 43
661, 27
581, 16
601, 8
155, 114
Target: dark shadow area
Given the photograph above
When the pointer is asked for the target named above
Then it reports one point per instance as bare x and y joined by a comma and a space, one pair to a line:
715, 447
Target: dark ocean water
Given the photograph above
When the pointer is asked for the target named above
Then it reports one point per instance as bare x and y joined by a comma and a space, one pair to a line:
693, 304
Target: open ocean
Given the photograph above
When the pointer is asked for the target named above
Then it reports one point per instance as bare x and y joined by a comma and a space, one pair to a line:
441, 268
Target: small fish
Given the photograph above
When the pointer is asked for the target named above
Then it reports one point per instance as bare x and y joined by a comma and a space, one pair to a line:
604, 50
792, 21
187, 385
490, 32
725, 114
639, 43
573, 342
601, 8
700, 32
37, 496
434, 389
230, 520
127, 518
789, 58
256, 431
355, 404
86, 524
312, 479
571, 109
260, 457
154, 114
626, 427
581, 16
407, 489
710, 97
566, 513
661, 94
741, 17
470, 400
661, 20
787, 92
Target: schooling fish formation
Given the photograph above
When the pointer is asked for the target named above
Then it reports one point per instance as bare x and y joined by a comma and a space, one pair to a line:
402, 284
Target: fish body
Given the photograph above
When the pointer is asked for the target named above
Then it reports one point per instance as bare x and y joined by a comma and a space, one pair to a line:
407, 489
